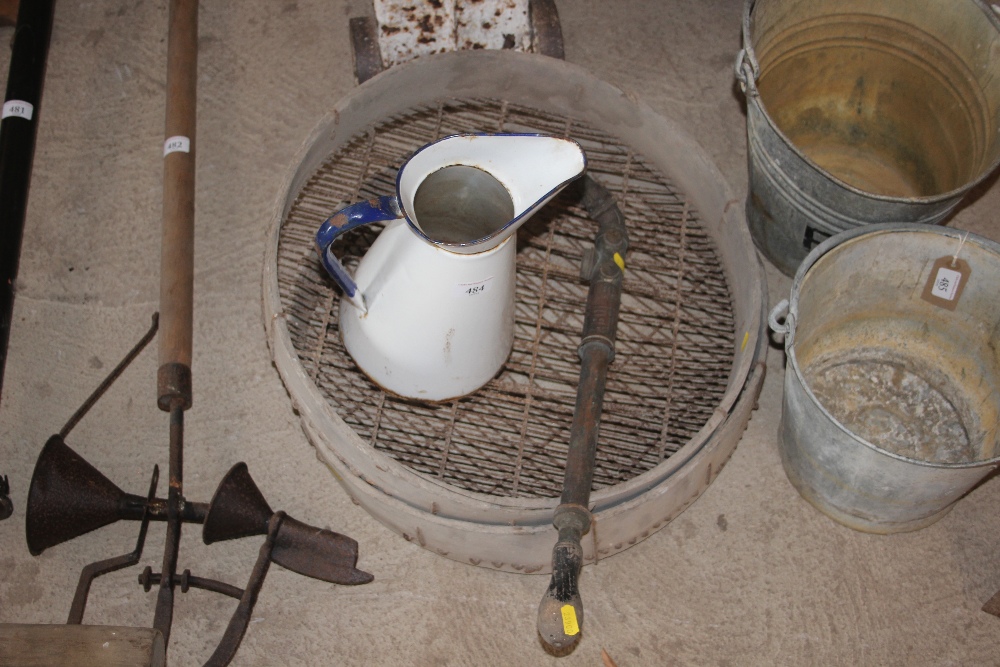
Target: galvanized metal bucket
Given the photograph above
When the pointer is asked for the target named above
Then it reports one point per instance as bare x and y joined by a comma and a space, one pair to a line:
891, 399
864, 111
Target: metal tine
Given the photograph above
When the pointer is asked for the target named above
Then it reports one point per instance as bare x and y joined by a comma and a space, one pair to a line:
110, 379
102, 567
240, 620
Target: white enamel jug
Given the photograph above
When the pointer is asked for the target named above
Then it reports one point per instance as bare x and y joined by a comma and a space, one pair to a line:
429, 313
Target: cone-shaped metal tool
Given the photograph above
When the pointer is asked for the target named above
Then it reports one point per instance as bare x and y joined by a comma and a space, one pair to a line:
237, 509
69, 497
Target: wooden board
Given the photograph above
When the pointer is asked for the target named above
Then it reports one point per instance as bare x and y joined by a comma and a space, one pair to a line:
80, 645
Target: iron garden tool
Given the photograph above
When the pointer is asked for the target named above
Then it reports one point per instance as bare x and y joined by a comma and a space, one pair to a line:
68, 496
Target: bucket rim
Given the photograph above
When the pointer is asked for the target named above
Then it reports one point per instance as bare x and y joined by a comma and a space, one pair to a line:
821, 251
753, 98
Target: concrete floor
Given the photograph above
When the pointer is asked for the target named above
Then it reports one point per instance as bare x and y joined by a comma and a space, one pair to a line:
749, 575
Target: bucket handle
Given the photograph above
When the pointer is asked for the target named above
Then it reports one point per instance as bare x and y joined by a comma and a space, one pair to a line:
365, 212
747, 67
780, 312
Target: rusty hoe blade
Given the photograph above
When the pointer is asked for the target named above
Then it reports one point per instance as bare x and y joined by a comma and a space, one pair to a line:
318, 553
238, 509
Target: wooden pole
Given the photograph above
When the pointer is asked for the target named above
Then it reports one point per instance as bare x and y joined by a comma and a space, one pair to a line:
177, 276
177, 248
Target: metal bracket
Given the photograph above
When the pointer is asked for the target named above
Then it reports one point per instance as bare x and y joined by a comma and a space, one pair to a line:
364, 44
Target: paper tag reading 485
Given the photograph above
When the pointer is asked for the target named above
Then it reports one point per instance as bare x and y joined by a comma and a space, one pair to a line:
946, 281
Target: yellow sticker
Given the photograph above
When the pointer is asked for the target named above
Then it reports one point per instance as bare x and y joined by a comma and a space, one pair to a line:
746, 337
620, 261
570, 626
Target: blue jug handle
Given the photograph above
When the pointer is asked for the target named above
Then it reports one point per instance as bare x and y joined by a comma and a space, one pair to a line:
355, 215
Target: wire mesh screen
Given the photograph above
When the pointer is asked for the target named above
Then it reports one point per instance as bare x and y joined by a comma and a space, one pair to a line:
675, 341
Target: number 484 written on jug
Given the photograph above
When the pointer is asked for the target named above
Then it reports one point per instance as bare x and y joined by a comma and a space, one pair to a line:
473, 289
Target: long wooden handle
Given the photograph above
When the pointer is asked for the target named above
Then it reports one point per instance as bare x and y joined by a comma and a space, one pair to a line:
177, 276
177, 248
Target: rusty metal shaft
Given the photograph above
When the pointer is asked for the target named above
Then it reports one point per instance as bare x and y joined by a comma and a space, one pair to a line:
163, 616
560, 614
597, 349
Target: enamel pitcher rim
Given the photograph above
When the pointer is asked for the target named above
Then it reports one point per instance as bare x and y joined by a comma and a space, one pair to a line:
529, 210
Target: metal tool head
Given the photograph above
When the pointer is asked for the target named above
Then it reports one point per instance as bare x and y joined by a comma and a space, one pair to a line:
68, 497
992, 605
318, 553
237, 509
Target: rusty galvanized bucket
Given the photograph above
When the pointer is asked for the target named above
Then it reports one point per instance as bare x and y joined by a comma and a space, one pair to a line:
864, 111
891, 399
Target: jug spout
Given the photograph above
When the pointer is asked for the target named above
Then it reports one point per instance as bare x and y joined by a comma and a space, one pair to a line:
527, 170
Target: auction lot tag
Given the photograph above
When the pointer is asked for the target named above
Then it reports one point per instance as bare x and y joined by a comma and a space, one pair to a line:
18, 109
946, 281
473, 289
570, 625
176, 144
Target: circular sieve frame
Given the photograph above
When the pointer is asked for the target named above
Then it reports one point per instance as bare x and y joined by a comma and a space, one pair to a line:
515, 533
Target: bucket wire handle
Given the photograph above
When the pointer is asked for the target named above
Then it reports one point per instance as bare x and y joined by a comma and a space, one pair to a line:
780, 312
747, 67
365, 212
